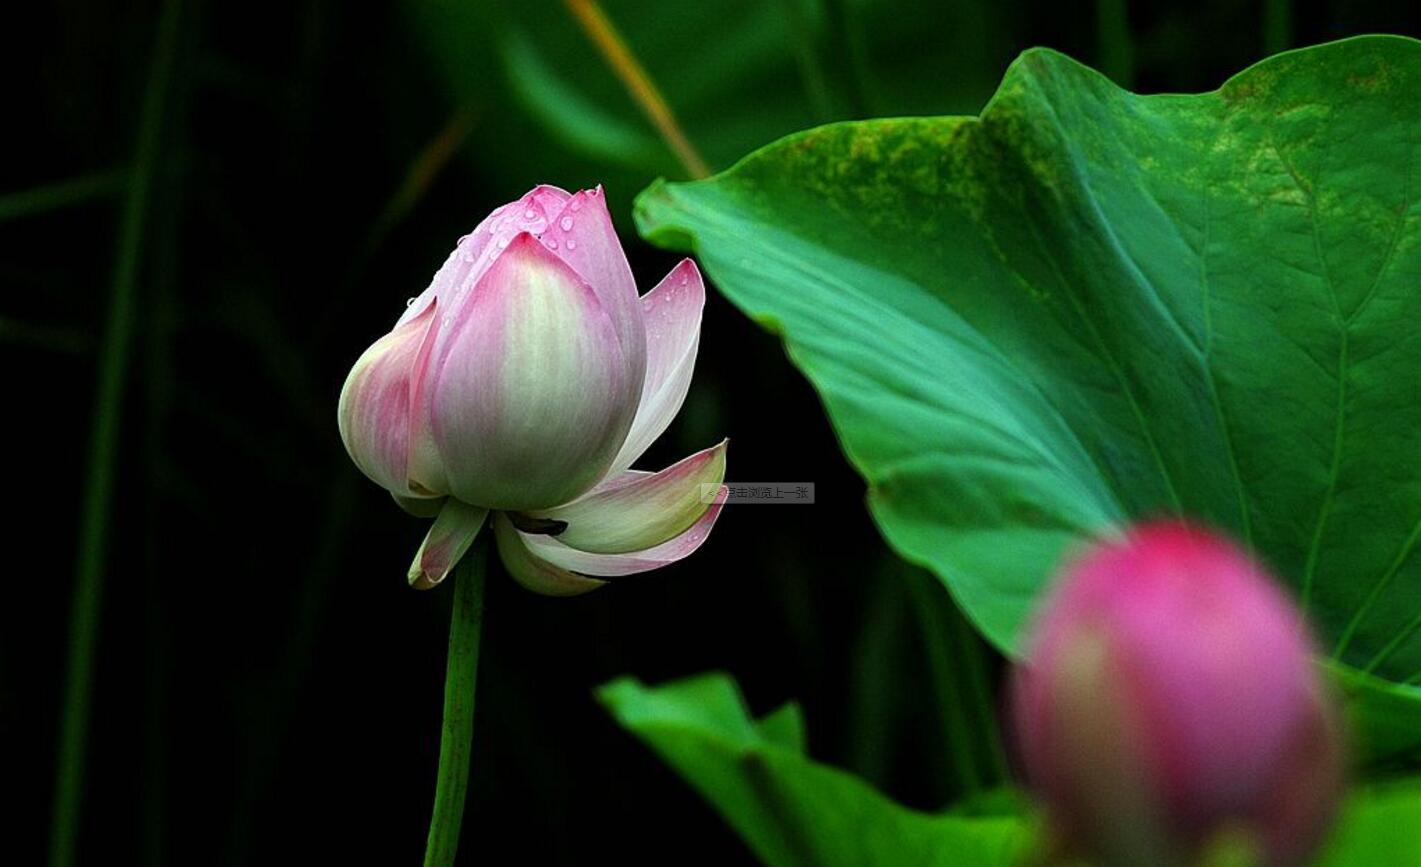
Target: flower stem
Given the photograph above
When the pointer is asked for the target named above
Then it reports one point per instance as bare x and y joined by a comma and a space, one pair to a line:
634, 78
460, 680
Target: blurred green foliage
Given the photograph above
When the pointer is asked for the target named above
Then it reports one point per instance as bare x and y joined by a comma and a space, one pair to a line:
266, 688
738, 74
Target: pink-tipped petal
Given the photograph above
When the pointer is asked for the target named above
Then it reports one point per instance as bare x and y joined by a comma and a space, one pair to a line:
583, 236
375, 402
672, 312
537, 575
552, 551
446, 543
531, 395
533, 212
635, 510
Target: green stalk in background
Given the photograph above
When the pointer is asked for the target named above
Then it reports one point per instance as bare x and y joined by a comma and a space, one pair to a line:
460, 681
113, 364
1115, 53
806, 55
62, 194
957, 665
1277, 26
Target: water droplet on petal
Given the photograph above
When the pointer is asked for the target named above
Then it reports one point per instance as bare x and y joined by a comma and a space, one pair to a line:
575, 206
552, 243
566, 223
530, 214
409, 302
571, 244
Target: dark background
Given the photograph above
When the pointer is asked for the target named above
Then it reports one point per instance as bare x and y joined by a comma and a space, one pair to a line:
267, 688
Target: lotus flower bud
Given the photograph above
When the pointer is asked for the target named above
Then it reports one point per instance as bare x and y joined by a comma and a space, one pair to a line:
524, 381
1168, 700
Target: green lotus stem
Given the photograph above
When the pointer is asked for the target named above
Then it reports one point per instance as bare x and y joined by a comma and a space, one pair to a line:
460, 680
1112, 35
113, 362
62, 194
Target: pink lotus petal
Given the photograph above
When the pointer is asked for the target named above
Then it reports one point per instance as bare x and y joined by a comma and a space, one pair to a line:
531, 394
672, 312
634, 511
533, 212
557, 554
446, 543
537, 575
583, 236
374, 409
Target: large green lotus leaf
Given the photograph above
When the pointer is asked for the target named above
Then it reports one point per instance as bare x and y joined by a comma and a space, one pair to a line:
791, 810
1088, 307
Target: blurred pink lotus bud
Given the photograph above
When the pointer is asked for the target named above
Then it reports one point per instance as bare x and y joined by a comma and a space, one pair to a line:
1168, 698
525, 381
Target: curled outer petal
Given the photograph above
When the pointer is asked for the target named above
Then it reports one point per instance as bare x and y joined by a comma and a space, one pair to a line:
446, 543
634, 511
375, 403
531, 394
672, 313
555, 553
537, 575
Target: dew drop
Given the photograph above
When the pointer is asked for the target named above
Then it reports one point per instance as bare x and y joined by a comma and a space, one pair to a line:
571, 244
575, 206
551, 242
566, 223
530, 214
409, 302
